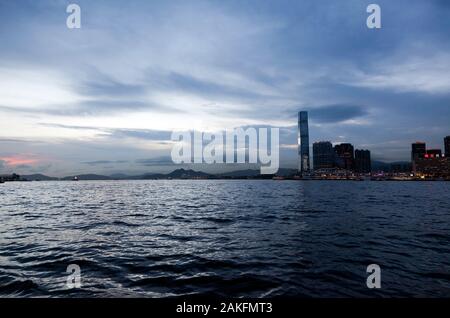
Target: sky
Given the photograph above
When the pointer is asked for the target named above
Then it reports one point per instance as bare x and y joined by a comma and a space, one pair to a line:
105, 98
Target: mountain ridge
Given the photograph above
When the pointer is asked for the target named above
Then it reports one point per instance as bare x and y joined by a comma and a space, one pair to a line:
182, 173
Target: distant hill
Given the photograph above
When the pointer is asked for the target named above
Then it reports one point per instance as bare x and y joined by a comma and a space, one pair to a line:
38, 177
184, 174
120, 176
380, 166
149, 176
403, 166
87, 177
180, 173
177, 174
286, 172
187, 174
192, 174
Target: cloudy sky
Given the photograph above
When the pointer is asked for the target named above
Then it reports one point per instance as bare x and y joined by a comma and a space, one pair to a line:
105, 98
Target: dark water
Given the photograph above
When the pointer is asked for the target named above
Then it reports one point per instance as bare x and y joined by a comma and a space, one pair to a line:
230, 238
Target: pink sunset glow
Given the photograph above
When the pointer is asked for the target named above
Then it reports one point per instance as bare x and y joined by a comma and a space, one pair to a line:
19, 160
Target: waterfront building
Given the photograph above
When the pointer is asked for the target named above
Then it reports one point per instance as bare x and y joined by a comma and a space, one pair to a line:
362, 161
436, 167
344, 156
418, 151
323, 155
303, 142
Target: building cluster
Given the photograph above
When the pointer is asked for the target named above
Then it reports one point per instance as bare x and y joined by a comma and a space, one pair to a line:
431, 163
341, 156
343, 159
328, 158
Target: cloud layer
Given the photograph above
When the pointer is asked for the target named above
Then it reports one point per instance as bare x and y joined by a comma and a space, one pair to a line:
109, 94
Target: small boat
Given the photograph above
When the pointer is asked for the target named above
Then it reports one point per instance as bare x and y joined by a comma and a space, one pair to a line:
75, 179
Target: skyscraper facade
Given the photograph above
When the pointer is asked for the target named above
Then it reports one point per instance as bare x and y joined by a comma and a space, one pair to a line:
344, 156
323, 155
362, 161
418, 151
303, 142
447, 146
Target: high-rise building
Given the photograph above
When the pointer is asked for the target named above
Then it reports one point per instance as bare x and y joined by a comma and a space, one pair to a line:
418, 151
430, 163
344, 156
303, 142
447, 146
323, 155
362, 161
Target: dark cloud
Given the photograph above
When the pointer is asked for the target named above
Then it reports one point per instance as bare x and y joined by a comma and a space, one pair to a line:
161, 136
112, 88
13, 140
141, 134
158, 161
91, 108
70, 126
103, 162
187, 83
337, 113
146, 134
103, 107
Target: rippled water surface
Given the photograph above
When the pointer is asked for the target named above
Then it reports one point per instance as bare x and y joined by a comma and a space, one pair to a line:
232, 238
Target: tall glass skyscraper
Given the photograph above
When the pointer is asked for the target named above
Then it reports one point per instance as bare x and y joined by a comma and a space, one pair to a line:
303, 142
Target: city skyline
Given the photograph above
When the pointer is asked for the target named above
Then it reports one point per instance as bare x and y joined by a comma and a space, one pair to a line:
105, 98
327, 157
